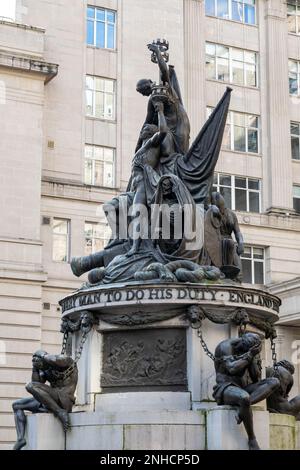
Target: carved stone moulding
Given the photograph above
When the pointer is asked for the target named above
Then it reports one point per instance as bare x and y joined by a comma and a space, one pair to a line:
139, 304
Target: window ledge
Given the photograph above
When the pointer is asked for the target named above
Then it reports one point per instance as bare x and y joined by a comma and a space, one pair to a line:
106, 188
233, 84
250, 154
233, 21
294, 160
107, 49
93, 118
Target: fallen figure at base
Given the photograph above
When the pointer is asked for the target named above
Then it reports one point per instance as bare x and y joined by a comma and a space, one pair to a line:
57, 398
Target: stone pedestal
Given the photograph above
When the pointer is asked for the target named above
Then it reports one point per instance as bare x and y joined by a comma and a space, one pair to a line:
223, 433
282, 432
44, 432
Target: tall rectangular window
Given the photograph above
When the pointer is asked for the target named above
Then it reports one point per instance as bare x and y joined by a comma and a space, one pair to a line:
243, 11
99, 166
242, 133
293, 16
240, 193
101, 27
294, 77
61, 240
232, 65
8, 10
296, 198
100, 97
96, 237
295, 140
253, 265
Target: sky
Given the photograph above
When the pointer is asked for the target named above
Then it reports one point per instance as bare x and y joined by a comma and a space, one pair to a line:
7, 9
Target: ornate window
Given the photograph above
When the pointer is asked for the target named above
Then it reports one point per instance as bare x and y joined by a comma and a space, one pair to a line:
240, 193
100, 97
96, 237
61, 240
232, 65
296, 198
101, 28
99, 166
295, 140
243, 11
253, 263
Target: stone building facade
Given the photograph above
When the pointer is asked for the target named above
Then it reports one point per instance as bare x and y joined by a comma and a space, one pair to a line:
70, 116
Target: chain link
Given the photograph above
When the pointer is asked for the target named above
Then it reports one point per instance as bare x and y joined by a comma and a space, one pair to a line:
204, 345
64, 343
274, 353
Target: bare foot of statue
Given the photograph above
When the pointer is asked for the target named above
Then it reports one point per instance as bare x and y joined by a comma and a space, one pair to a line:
253, 445
19, 444
63, 417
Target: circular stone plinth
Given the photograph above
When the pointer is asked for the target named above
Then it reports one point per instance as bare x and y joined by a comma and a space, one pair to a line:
136, 303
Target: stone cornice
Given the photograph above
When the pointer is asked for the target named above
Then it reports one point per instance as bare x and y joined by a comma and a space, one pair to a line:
27, 64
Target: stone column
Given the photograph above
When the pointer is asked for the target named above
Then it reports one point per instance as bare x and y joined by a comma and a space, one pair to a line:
274, 85
194, 63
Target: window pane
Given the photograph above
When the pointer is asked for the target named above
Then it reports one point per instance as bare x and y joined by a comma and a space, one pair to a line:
88, 246
239, 119
100, 14
111, 16
247, 252
295, 128
250, 71
249, 14
89, 81
295, 148
253, 184
240, 200
240, 182
225, 180
109, 86
227, 137
226, 193
296, 202
89, 102
258, 273
239, 139
252, 121
98, 179
60, 226
291, 19
99, 105
223, 69
108, 155
109, 107
210, 67
210, 7
237, 11
60, 248
258, 253
293, 84
90, 32
91, 12
100, 34
293, 66
296, 191
252, 141
111, 36
237, 54
88, 172
253, 202
108, 177
250, 57
222, 52
247, 275
222, 8
210, 48
238, 72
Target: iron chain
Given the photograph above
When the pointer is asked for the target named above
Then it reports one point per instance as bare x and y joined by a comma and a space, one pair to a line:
204, 345
274, 353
